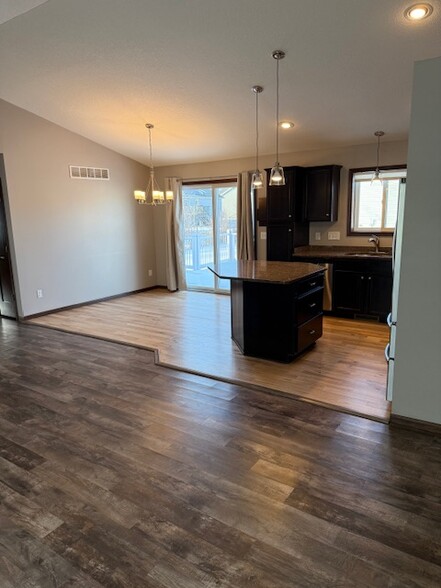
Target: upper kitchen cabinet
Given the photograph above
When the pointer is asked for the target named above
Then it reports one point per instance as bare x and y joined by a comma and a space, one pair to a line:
284, 203
322, 185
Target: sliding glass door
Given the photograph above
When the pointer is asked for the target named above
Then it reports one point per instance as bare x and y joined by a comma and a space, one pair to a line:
210, 223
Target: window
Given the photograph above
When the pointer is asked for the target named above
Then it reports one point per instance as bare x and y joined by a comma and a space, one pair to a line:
210, 231
373, 209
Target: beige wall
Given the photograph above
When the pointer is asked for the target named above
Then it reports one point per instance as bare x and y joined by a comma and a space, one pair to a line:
393, 153
77, 240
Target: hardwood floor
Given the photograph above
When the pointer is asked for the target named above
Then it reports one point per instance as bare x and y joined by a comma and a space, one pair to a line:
116, 472
192, 331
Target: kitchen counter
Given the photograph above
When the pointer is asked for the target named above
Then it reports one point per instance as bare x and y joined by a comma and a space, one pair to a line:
276, 272
276, 306
340, 252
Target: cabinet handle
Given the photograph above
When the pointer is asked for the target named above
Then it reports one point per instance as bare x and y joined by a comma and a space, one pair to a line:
370, 278
312, 284
289, 215
387, 353
362, 277
312, 305
312, 332
327, 214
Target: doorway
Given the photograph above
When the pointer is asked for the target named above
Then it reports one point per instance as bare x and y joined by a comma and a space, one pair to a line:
8, 306
210, 232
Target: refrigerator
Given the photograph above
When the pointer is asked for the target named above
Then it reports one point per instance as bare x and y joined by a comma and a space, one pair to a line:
389, 351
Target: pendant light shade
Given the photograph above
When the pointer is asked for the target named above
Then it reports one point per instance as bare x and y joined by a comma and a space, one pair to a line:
153, 195
277, 175
257, 178
376, 181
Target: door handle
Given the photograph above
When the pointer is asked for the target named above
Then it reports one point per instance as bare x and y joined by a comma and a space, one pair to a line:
389, 320
387, 352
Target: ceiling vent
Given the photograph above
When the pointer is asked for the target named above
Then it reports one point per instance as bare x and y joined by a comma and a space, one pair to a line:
81, 172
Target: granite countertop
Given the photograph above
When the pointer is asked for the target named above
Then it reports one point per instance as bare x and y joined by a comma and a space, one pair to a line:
341, 252
278, 272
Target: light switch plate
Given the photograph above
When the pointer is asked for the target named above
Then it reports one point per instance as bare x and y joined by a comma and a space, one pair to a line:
334, 235
263, 236
318, 236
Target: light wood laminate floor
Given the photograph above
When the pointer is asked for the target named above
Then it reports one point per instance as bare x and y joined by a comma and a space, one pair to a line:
191, 331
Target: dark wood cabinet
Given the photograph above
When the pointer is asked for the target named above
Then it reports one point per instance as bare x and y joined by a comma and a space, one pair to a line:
284, 203
321, 188
279, 242
362, 288
286, 227
277, 321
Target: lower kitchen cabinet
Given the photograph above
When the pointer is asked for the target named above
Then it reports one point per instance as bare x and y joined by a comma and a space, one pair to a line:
363, 289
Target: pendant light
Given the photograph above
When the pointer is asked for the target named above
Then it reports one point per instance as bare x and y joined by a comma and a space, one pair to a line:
152, 193
257, 179
277, 175
376, 180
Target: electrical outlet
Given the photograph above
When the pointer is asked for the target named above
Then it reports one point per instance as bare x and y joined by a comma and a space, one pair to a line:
334, 235
263, 236
39, 293
318, 236
150, 272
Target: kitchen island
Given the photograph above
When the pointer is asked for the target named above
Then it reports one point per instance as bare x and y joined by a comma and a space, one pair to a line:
276, 306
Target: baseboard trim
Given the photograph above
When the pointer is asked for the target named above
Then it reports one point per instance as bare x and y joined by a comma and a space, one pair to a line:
60, 309
415, 424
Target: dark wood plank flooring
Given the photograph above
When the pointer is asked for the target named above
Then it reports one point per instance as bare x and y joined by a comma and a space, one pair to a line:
115, 472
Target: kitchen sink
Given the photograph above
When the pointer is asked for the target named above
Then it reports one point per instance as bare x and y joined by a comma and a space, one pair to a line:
370, 254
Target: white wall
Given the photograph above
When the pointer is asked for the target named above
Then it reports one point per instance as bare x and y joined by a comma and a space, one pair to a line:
77, 240
393, 153
417, 386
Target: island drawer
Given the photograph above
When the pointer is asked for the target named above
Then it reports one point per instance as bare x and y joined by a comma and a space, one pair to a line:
309, 332
310, 284
309, 306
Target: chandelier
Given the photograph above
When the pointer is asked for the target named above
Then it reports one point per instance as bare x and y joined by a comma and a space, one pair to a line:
152, 195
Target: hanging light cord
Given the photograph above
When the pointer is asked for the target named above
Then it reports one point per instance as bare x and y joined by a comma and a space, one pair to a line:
378, 153
277, 111
150, 149
257, 131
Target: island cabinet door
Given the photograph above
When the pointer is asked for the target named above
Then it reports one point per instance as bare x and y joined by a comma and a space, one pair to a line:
268, 321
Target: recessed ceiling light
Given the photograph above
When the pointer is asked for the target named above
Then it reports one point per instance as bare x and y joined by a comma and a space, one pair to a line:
286, 124
418, 11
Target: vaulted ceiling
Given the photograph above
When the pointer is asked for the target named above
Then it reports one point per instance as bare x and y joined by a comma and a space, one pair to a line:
103, 68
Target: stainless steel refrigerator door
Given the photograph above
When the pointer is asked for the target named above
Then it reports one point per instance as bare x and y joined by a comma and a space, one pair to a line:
396, 250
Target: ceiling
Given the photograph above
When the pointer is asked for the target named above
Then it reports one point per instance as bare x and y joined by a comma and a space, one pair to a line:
103, 68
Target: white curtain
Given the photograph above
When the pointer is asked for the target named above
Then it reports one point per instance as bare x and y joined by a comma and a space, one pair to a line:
245, 229
175, 256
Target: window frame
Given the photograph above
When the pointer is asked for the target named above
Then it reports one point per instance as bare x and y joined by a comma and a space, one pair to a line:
355, 233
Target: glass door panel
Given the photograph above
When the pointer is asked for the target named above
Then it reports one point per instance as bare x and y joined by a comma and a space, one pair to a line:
226, 229
210, 229
198, 236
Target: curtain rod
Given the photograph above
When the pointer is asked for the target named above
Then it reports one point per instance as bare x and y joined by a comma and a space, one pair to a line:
217, 180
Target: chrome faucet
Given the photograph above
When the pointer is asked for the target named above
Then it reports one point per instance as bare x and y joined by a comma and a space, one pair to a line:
374, 239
